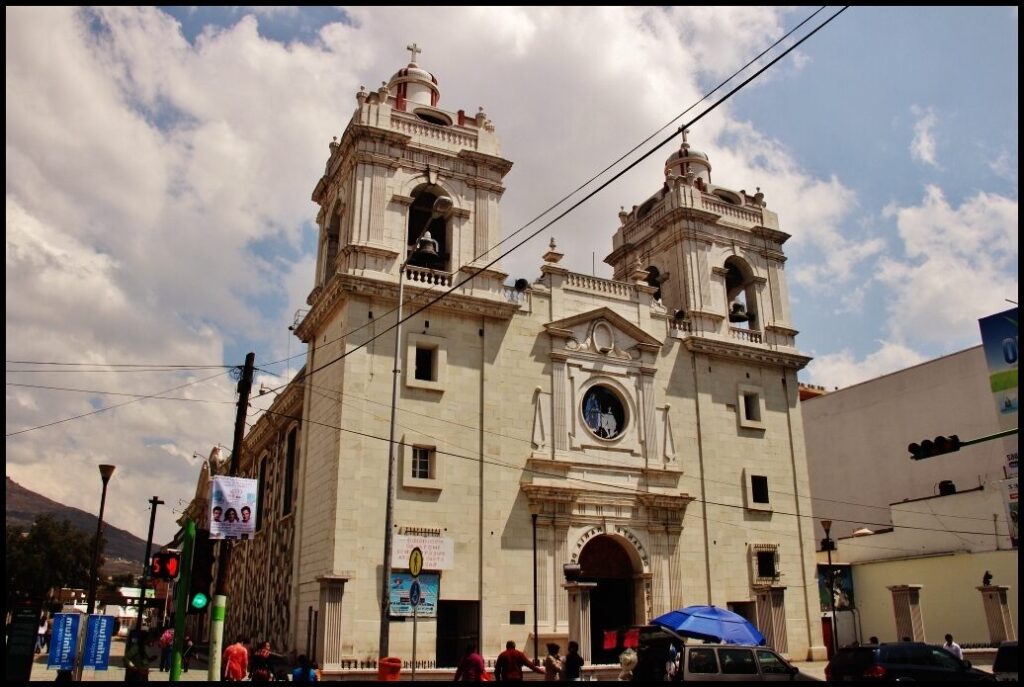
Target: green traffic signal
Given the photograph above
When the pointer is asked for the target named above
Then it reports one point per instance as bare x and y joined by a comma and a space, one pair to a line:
199, 601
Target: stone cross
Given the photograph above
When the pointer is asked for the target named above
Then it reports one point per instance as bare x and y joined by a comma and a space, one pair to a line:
414, 49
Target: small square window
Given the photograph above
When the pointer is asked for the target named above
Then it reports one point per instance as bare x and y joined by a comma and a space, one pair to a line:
517, 617
426, 362
421, 469
422, 462
759, 488
766, 564
426, 370
749, 407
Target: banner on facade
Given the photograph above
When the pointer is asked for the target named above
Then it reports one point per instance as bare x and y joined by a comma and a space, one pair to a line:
233, 508
1012, 501
401, 586
438, 552
64, 641
98, 635
835, 585
999, 341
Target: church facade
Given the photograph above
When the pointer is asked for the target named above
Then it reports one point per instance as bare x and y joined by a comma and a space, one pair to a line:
574, 454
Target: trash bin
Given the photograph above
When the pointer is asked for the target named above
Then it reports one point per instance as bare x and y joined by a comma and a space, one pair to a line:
389, 669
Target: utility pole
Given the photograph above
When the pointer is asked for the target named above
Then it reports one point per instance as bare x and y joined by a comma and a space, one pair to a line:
153, 503
219, 608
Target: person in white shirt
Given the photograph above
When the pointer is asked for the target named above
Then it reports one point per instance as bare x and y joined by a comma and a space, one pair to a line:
953, 648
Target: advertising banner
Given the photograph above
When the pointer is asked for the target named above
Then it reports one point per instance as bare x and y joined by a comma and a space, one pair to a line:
401, 587
837, 587
233, 508
98, 635
64, 641
438, 552
1011, 498
999, 341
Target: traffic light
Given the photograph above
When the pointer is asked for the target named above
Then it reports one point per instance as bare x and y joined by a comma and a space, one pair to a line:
165, 565
934, 447
202, 573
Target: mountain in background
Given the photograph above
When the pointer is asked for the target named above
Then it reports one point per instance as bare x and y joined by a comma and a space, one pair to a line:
23, 506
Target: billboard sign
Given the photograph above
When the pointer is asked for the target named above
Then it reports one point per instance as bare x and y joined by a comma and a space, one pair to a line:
233, 508
999, 342
402, 593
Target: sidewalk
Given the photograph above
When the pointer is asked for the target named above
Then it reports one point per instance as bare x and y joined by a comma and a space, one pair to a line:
115, 673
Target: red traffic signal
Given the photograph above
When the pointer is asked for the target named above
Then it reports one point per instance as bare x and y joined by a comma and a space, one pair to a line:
934, 447
165, 565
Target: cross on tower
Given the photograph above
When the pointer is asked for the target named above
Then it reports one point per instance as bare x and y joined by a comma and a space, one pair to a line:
414, 49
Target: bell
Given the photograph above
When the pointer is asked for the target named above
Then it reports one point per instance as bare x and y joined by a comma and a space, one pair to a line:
738, 313
426, 246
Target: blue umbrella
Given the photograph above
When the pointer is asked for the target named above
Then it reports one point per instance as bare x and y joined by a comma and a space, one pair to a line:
711, 623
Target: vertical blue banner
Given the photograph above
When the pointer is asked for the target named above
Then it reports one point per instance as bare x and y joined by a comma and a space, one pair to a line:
64, 641
97, 642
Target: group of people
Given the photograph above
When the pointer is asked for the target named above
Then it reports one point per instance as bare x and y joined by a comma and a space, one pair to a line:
510, 663
258, 665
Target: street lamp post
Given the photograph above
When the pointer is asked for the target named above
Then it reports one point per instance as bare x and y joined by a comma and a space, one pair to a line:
828, 545
425, 246
106, 471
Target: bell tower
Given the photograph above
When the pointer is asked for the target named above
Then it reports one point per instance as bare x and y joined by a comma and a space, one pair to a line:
405, 169
714, 254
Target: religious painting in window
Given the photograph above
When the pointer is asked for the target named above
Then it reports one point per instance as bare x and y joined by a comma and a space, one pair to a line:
604, 412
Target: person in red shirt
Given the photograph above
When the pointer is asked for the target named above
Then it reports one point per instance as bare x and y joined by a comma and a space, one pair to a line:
236, 661
509, 666
472, 667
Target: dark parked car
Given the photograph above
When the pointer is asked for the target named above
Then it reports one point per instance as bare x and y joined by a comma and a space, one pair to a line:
1005, 666
900, 661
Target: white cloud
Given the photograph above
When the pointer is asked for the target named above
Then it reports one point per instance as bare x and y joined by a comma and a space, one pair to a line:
922, 148
961, 262
843, 369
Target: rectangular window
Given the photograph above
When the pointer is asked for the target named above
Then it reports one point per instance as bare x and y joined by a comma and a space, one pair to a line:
260, 490
766, 564
703, 661
759, 488
737, 662
752, 407
425, 369
422, 462
289, 471
517, 617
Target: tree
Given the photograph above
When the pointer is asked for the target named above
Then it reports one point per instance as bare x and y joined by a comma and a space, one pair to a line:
52, 554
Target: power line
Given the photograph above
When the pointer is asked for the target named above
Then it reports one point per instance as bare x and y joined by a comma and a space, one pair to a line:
618, 487
583, 200
117, 393
161, 366
119, 405
586, 183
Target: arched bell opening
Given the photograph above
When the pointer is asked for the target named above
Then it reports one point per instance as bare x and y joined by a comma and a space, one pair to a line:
427, 214
740, 294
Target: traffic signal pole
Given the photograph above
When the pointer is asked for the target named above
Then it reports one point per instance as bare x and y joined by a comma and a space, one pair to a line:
219, 608
940, 446
181, 598
153, 503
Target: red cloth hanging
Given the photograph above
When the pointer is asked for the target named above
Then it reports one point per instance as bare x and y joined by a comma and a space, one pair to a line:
631, 640
611, 639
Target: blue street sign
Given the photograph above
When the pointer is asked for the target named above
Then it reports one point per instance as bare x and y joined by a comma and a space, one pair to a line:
98, 636
415, 595
64, 641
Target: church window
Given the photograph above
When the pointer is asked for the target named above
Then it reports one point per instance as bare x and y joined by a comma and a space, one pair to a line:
426, 362
261, 489
289, 471
422, 462
766, 564
759, 488
517, 617
603, 412
756, 495
750, 407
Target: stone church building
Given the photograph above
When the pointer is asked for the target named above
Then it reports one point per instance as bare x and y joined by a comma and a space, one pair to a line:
644, 428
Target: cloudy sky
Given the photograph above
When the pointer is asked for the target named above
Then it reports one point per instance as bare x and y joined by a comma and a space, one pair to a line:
160, 164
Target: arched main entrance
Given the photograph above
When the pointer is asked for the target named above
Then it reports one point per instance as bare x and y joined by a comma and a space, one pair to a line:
612, 602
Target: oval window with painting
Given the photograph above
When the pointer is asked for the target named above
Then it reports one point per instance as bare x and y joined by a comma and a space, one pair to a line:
603, 412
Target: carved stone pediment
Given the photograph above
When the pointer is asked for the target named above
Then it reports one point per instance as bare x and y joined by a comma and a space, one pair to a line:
602, 332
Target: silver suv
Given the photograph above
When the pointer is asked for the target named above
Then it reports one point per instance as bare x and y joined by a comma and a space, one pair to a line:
662, 656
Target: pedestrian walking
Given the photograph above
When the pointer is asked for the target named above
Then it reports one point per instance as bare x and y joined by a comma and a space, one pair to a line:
186, 652
953, 648
41, 635
166, 644
136, 659
304, 672
471, 667
236, 660
261, 664
553, 663
573, 662
510, 664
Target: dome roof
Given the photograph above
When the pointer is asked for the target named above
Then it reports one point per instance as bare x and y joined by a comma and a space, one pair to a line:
687, 158
413, 72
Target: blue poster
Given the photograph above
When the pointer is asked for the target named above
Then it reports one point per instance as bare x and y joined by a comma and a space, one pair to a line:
64, 641
97, 642
401, 591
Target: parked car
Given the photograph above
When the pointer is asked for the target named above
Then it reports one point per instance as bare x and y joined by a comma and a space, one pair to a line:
900, 661
660, 650
1005, 667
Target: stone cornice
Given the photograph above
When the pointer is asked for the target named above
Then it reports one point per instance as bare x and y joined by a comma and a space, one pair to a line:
779, 237
735, 351
786, 331
494, 162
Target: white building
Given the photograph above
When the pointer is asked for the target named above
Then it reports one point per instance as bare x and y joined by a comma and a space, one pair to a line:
644, 427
